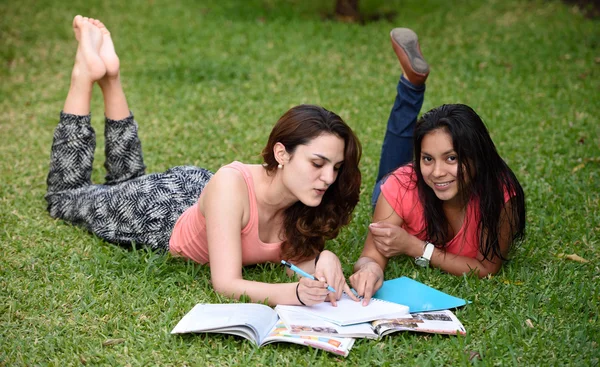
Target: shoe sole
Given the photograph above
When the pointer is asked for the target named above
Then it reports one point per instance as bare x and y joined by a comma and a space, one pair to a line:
409, 42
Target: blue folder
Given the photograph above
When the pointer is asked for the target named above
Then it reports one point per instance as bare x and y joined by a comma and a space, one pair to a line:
417, 296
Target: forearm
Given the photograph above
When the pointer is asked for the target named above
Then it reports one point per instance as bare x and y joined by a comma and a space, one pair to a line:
366, 260
459, 265
273, 294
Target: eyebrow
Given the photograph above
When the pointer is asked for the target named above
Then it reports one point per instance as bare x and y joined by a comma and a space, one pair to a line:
325, 158
445, 153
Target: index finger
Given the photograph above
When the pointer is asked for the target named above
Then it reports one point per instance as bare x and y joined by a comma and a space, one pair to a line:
350, 292
313, 283
332, 299
368, 293
379, 231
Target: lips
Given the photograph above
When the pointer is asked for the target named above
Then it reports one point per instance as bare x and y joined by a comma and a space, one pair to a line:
442, 185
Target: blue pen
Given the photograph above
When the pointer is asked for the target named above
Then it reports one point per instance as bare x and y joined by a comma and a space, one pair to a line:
301, 272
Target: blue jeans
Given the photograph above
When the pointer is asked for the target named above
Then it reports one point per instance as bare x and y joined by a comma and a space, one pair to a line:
397, 148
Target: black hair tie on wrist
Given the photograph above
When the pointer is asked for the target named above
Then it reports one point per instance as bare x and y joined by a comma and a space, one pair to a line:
317, 259
298, 296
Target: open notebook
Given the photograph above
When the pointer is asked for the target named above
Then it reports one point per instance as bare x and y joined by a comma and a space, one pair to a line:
349, 312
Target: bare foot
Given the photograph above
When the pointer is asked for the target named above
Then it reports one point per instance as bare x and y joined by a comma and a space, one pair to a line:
107, 51
88, 64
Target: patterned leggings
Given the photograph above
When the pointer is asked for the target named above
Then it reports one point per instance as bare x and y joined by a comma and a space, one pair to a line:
130, 207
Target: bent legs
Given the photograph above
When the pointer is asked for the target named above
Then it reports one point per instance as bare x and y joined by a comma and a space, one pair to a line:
129, 207
397, 147
132, 208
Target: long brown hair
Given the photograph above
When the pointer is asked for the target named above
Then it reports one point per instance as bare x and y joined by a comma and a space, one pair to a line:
306, 228
488, 178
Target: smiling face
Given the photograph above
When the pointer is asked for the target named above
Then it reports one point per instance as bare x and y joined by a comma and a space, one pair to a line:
439, 165
313, 167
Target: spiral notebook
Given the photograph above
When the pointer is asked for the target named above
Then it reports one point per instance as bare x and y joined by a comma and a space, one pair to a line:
349, 312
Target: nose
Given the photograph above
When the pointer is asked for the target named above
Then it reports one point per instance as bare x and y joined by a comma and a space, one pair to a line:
328, 175
438, 169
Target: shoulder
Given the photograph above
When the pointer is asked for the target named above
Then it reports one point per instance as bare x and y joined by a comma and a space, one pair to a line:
399, 182
227, 185
231, 174
400, 190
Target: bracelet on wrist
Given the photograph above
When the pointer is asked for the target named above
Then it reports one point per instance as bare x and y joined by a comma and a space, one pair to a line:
298, 296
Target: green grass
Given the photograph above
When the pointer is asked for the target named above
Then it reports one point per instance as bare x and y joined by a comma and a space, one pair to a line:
208, 79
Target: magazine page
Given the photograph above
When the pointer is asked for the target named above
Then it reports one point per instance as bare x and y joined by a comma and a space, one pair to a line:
249, 320
305, 324
436, 322
280, 333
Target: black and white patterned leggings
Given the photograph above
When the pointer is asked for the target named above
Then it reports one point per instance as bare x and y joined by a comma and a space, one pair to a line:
130, 207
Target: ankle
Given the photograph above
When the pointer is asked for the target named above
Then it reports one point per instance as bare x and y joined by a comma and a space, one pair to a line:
81, 80
110, 81
416, 85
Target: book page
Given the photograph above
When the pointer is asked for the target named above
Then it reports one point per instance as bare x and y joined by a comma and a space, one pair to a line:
280, 333
305, 324
249, 320
436, 322
349, 312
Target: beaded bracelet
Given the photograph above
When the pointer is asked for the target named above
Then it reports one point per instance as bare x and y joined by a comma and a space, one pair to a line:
298, 296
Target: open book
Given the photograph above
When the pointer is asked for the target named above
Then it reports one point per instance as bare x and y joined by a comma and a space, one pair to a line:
255, 322
350, 312
437, 322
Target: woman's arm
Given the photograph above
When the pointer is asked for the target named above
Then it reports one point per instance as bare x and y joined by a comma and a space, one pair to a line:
368, 269
391, 240
226, 209
458, 265
329, 270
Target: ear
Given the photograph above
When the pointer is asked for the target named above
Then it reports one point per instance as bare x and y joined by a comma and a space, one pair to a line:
281, 154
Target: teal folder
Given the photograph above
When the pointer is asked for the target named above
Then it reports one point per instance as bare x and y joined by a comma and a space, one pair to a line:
417, 296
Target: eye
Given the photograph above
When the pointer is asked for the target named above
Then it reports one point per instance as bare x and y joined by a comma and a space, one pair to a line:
452, 158
316, 165
426, 159
337, 168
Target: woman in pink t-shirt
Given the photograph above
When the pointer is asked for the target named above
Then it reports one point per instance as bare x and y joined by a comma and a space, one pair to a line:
457, 206
286, 208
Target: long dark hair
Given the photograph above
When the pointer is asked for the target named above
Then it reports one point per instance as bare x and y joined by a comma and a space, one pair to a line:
307, 228
482, 174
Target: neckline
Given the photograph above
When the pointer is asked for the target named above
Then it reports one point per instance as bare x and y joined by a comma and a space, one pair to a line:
250, 184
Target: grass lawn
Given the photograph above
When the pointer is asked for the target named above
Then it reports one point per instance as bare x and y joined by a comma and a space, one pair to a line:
208, 79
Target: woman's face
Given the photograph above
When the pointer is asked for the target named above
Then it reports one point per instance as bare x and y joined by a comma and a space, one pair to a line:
313, 168
439, 165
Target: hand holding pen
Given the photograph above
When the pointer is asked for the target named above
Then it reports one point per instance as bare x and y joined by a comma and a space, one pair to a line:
302, 273
332, 271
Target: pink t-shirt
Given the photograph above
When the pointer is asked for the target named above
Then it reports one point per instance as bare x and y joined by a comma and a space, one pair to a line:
400, 191
189, 234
